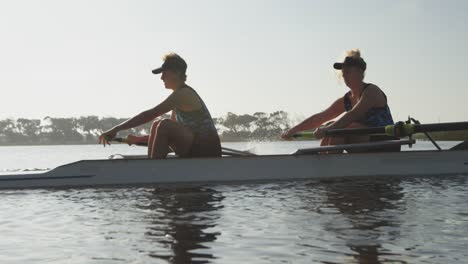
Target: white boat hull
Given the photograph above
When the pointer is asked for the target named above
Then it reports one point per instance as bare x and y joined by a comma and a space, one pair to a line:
98, 173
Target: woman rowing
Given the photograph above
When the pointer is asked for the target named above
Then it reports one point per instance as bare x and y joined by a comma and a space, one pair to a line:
365, 105
190, 132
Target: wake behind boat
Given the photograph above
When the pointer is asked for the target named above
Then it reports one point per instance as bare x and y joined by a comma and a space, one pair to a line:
238, 166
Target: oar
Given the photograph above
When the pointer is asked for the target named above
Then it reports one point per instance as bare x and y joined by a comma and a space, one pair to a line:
228, 151
125, 140
400, 129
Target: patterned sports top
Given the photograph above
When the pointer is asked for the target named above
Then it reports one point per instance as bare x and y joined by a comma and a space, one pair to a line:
376, 116
199, 121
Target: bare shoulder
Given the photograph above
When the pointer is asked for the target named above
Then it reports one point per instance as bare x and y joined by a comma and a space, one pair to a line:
183, 94
374, 92
187, 99
372, 88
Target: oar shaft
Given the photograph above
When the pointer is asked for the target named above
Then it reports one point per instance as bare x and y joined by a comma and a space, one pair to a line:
343, 132
227, 151
399, 130
438, 127
355, 131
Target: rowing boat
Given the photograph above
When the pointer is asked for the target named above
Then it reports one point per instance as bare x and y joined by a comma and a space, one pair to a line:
302, 165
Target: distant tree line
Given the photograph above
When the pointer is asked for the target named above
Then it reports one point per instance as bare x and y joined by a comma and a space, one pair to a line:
257, 127
86, 129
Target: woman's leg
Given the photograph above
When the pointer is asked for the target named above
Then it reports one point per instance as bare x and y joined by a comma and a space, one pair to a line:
357, 138
152, 136
171, 134
328, 141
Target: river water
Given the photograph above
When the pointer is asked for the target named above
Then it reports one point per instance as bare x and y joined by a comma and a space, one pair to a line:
414, 220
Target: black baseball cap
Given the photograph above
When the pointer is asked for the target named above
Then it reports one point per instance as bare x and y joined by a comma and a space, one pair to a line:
351, 62
173, 62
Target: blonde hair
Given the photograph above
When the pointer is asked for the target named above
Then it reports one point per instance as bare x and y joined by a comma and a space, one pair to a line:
174, 58
170, 56
355, 54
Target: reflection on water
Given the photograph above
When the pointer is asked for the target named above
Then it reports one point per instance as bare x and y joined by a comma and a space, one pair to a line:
138, 225
183, 228
418, 220
369, 208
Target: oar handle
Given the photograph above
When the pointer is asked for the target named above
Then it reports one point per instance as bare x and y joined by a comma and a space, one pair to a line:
304, 135
126, 140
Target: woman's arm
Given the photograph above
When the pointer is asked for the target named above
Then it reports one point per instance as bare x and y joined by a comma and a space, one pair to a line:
149, 115
334, 110
369, 99
140, 119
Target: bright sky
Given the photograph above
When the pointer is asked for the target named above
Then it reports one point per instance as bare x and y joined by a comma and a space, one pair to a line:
65, 58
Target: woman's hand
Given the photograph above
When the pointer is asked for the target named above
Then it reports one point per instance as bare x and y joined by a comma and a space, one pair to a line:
320, 132
107, 136
288, 135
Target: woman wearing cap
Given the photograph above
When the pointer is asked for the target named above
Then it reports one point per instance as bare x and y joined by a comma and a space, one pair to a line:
365, 105
190, 132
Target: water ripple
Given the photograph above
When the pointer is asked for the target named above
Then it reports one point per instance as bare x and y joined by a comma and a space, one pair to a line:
371, 220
